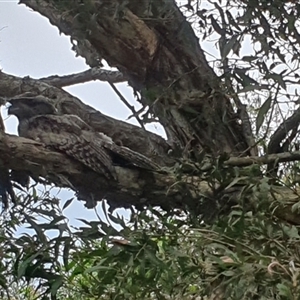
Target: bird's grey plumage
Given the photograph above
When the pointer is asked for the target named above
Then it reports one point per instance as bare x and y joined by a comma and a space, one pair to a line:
71, 135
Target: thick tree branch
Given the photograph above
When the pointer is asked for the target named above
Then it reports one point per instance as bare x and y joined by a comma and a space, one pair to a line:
134, 187
282, 131
133, 137
137, 187
155, 47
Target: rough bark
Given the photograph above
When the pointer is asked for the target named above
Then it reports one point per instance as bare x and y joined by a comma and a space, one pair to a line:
133, 186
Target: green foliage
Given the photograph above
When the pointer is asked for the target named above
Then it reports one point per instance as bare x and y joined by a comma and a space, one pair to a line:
258, 54
247, 254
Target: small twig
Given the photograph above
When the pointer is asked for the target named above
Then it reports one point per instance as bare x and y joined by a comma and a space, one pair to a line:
134, 113
260, 160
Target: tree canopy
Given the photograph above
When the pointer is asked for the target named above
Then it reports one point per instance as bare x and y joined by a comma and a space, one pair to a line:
218, 217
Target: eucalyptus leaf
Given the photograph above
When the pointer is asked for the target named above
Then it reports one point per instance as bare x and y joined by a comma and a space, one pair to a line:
262, 113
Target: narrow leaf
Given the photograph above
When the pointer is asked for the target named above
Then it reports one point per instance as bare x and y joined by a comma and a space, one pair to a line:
262, 113
68, 202
230, 45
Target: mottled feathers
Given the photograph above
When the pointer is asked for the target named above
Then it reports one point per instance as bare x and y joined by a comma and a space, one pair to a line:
71, 135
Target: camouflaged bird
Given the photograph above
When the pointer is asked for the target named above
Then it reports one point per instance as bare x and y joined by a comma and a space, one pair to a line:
71, 135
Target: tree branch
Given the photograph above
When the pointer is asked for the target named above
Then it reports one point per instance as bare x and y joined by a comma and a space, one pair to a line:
134, 186
261, 160
137, 187
131, 107
162, 59
89, 75
282, 131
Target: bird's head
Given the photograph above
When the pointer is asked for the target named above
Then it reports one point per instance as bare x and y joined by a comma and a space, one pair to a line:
28, 107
